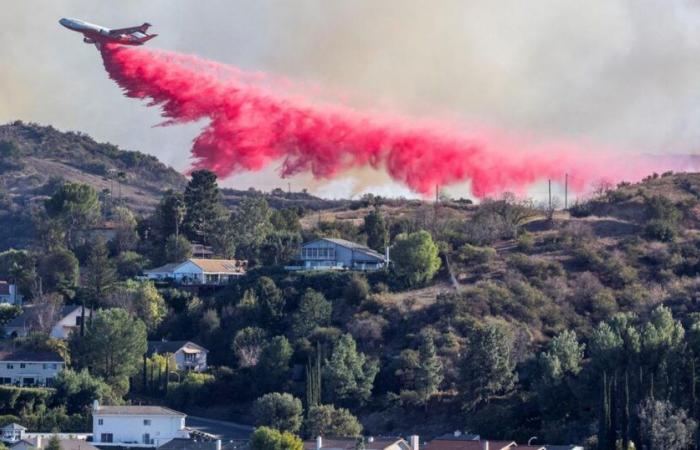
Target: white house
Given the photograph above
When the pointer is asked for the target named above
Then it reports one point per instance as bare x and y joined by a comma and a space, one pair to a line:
62, 321
370, 443
188, 355
136, 426
29, 368
9, 294
200, 271
12, 432
338, 254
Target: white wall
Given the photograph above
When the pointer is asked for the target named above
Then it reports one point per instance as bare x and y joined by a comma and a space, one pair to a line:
65, 326
40, 371
131, 428
198, 365
188, 269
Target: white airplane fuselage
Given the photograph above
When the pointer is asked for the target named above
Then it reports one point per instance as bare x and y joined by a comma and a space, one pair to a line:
97, 34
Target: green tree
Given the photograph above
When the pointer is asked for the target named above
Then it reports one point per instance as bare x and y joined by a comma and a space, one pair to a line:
487, 367
59, 271
171, 213
273, 367
101, 274
281, 411
54, 443
112, 348
377, 231
349, 373
266, 438
140, 298
314, 311
75, 207
125, 237
271, 302
415, 258
251, 226
203, 206
131, 264
327, 420
177, 249
19, 267
564, 356
248, 345
357, 289
429, 372
76, 390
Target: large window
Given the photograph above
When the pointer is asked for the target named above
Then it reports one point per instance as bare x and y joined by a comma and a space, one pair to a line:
147, 422
106, 437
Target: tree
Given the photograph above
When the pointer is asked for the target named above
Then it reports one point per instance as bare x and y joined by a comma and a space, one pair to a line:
19, 267
664, 427
357, 289
248, 345
487, 368
54, 443
141, 299
125, 237
429, 372
171, 213
75, 207
564, 355
266, 438
112, 348
77, 390
59, 271
203, 206
349, 373
273, 367
101, 275
377, 231
327, 420
131, 264
415, 258
280, 411
271, 302
177, 249
314, 311
251, 226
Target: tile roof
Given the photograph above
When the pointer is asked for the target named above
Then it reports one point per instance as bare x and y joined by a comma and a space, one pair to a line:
218, 265
452, 444
162, 347
74, 444
137, 410
351, 443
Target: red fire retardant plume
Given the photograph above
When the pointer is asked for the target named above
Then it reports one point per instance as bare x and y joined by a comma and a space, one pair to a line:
251, 126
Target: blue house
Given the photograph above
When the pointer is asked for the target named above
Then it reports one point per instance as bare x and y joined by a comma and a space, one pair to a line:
338, 254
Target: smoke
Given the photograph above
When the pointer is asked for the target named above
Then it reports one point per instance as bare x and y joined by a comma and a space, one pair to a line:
256, 121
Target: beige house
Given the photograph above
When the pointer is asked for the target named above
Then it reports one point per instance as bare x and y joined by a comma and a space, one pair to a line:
198, 271
188, 355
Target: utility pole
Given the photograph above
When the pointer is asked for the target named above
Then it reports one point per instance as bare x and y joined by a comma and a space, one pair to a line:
289, 188
549, 184
435, 208
566, 191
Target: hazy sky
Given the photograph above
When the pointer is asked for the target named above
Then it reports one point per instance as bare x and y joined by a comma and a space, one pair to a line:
624, 73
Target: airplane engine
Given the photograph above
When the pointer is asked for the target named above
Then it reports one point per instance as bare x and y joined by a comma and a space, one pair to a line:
88, 41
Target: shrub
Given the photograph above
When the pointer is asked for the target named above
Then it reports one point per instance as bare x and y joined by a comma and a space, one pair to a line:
327, 420
280, 411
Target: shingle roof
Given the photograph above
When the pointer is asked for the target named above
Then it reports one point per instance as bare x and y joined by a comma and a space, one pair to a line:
75, 444
137, 410
164, 268
218, 265
19, 355
351, 443
457, 444
191, 444
162, 347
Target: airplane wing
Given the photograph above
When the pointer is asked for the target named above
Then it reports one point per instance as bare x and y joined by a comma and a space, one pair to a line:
141, 28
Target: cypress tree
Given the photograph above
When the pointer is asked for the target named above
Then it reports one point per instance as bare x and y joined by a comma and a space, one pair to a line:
626, 412
612, 429
604, 415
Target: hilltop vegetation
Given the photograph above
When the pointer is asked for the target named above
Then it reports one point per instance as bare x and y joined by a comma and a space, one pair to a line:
501, 319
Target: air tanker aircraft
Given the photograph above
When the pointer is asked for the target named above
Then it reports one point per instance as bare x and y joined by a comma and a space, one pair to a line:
96, 34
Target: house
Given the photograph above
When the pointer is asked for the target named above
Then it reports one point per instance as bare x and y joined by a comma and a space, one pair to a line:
24, 444
136, 426
29, 368
338, 254
200, 271
199, 444
60, 322
12, 432
188, 355
563, 447
467, 442
10, 294
370, 443
41, 441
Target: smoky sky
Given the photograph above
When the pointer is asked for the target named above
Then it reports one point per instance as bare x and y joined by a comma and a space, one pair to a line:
623, 73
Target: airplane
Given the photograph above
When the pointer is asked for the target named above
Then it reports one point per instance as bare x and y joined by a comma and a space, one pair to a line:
96, 34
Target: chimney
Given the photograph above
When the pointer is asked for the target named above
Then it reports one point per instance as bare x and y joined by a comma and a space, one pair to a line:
415, 442
38, 441
370, 439
218, 444
458, 433
485, 445
319, 442
95, 405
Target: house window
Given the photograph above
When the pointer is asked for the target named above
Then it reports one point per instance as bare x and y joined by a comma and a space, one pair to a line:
106, 437
78, 321
100, 422
6, 380
146, 438
10, 366
49, 381
190, 357
45, 366
54, 366
22, 365
147, 422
